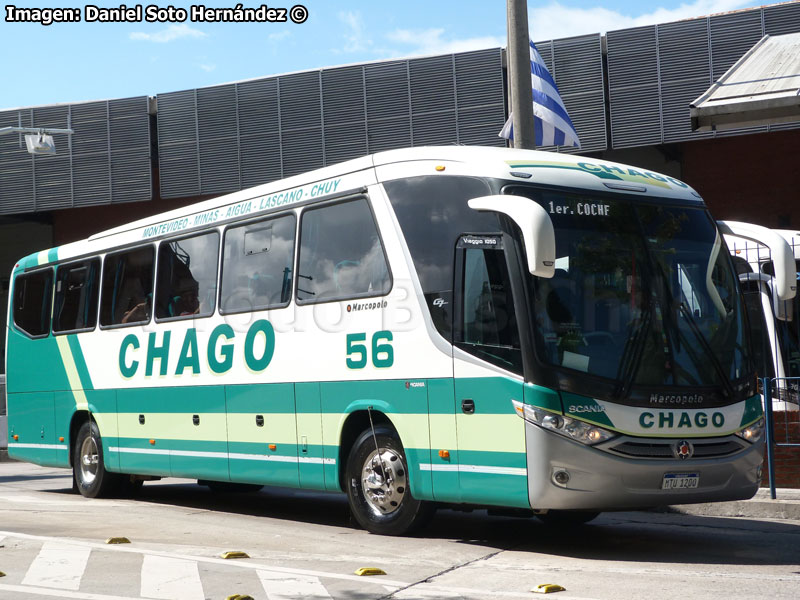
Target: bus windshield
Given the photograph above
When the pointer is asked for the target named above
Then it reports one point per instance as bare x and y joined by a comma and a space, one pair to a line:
644, 294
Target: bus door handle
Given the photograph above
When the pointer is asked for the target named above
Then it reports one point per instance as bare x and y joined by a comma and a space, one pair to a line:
259, 420
196, 419
468, 406
141, 419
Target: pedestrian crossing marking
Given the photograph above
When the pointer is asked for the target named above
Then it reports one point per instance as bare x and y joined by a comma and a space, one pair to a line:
58, 565
166, 578
26, 591
279, 586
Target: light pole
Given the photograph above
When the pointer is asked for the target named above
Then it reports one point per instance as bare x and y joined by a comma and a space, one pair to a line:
519, 73
37, 139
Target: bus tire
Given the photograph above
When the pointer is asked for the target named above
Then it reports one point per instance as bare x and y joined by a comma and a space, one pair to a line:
88, 466
377, 485
567, 518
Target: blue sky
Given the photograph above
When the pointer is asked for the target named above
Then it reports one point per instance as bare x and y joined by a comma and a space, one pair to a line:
74, 62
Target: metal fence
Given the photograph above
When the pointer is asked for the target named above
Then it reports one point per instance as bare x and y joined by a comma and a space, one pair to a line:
783, 431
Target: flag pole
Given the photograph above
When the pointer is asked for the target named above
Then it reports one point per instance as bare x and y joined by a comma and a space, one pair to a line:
519, 74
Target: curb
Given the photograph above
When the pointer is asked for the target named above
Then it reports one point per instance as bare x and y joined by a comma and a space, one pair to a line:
786, 506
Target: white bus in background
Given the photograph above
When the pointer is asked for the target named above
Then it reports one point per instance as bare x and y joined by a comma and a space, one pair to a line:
774, 313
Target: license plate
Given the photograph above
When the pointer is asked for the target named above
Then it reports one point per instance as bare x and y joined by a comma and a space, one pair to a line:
680, 481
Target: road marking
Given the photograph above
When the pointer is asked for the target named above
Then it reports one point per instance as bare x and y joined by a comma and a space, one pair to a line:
28, 500
58, 565
170, 579
214, 561
280, 587
26, 591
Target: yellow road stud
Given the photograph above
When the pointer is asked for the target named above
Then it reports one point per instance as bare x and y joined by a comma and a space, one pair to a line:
239, 597
118, 540
234, 554
370, 571
2, 574
547, 588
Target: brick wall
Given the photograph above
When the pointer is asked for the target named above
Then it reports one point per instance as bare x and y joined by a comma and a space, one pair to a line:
787, 458
753, 178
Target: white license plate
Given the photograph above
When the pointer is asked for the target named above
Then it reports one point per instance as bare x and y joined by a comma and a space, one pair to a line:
680, 481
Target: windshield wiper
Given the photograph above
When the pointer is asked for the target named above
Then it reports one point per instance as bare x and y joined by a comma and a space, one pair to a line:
707, 347
632, 355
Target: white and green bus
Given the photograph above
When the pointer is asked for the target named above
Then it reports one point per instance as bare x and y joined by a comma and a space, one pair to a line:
774, 311
431, 326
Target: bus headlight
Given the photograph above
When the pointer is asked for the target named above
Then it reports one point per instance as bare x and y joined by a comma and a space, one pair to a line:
752, 433
574, 429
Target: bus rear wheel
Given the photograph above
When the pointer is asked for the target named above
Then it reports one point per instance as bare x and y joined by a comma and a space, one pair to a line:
377, 485
88, 466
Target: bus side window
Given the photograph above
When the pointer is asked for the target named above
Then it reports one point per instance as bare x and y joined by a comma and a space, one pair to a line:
187, 276
77, 292
127, 287
488, 325
32, 294
341, 254
257, 265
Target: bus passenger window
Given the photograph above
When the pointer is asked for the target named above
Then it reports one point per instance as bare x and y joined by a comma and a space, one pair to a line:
32, 294
127, 287
187, 276
257, 265
77, 292
341, 255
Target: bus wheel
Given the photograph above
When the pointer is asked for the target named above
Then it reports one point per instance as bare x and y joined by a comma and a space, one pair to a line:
91, 477
377, 485
566, 518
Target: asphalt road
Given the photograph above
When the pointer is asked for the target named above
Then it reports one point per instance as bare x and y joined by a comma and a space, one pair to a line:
302, 545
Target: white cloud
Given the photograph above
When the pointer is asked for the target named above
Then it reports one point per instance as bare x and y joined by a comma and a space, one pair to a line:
208, 68
430, 41
170, 34
355, 39
555, 20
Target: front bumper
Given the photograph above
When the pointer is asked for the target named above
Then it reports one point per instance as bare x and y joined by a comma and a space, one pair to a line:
599, 480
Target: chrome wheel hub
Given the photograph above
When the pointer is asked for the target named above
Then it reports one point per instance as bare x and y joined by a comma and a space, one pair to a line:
384, 481
89, 460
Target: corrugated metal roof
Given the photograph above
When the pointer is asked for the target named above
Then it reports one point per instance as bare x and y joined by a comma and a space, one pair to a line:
763, 87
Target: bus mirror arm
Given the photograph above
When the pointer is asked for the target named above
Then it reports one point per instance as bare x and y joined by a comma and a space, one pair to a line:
534, 223
785, 284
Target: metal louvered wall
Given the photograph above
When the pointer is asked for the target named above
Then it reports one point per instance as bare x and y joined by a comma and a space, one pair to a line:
230, 137
654, 72
107, 160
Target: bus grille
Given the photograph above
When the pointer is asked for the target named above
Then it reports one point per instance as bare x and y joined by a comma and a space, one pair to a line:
663, 450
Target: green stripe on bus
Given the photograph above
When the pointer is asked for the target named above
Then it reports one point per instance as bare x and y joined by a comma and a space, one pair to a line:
80, 362
752, 411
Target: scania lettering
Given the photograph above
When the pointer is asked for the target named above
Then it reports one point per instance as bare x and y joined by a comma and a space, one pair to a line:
452, 326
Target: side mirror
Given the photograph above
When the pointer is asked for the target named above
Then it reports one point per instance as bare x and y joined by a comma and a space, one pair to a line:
785, 285
535, 224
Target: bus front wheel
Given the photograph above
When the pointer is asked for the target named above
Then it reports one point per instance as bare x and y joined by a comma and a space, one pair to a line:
88, 466
377, 485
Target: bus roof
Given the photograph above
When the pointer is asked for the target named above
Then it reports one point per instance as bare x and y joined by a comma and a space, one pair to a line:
530, 166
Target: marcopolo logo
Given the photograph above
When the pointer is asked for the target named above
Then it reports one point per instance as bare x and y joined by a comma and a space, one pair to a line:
676, 399
357, 306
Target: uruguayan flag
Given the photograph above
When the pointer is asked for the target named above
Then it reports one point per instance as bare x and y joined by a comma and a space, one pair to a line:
551, 121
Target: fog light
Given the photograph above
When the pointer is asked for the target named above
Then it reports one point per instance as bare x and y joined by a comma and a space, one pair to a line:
561, 477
